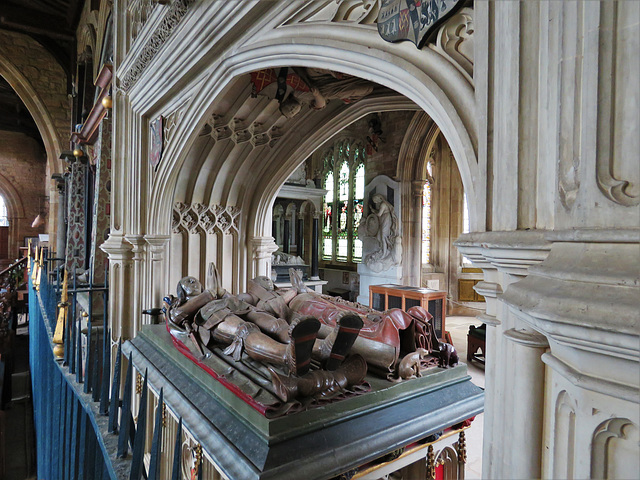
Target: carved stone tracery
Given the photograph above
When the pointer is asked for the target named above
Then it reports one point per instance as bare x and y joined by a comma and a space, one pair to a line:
210, 219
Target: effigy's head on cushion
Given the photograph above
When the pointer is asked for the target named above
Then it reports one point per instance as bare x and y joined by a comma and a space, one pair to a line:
188, 287
265, 282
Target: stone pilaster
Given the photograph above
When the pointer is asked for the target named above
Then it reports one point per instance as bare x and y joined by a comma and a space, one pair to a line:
513, 352
261, 250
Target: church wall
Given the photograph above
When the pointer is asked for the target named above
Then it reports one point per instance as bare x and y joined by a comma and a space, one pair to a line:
45, 76
22, 184
41, 83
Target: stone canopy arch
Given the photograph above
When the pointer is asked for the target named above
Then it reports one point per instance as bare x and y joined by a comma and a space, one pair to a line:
423, 79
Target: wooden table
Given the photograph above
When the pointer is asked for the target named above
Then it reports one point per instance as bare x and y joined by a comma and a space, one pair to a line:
384, 297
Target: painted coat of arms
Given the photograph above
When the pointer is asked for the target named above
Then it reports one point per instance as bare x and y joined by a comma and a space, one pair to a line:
413, 20
156, 142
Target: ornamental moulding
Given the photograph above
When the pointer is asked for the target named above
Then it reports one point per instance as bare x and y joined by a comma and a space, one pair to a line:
174, 15
211, 219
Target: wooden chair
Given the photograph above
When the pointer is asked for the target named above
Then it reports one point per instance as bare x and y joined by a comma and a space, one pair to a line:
476, 341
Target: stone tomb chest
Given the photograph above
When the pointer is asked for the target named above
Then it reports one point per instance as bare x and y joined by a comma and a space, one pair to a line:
316, 443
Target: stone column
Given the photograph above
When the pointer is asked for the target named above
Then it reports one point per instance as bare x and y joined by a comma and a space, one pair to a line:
61, 239
300, 238
513, 349
138, 249
262, 248
286, 240
525, 421
120, 286
157, 284
315, 240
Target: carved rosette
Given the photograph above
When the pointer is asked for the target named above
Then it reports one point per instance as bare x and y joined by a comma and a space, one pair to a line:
206, 218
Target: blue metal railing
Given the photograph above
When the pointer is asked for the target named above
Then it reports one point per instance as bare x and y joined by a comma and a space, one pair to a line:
69, 442
84, 429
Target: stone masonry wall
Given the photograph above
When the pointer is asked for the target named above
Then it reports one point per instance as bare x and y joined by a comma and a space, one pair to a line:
23, 165
44, 74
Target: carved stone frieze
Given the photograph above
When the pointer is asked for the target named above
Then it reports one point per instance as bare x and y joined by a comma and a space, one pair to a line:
139, 12
175, 13
207, 218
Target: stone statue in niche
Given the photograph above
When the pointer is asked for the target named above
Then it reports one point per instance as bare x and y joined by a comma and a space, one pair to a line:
382, 225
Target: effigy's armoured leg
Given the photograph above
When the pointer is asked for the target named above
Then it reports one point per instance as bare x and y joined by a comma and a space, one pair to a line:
336, 346
348, 330
303, 336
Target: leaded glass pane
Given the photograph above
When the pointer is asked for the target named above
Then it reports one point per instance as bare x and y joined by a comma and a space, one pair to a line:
465, 225
327, 248
426, 223
342, 220
358, 194
328, 185
357, 250
343, 182
4, 217
341, 254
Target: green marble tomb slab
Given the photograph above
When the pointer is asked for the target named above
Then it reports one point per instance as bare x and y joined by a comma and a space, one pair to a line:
317, 443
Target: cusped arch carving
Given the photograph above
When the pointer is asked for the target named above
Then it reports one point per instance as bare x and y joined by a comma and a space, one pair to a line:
615, 449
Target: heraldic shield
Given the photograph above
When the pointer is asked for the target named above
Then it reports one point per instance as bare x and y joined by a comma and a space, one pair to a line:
413, 20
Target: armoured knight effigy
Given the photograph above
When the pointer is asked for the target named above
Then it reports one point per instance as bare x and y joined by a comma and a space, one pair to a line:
283, 350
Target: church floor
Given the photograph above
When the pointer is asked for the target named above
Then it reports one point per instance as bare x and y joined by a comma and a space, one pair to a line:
459, 327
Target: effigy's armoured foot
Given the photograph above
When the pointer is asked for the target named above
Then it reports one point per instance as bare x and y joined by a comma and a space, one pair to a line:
348, 330
303, 335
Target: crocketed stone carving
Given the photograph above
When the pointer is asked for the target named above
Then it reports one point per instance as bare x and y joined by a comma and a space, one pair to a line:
175, 13
207, 218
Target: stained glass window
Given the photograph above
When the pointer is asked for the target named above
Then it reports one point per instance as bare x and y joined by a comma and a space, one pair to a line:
4, 217
327, 220
465, 225
426, 223
343, 203
358, 206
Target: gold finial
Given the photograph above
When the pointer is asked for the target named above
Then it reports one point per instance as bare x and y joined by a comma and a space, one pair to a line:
462, 448
198, 451
431, 464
